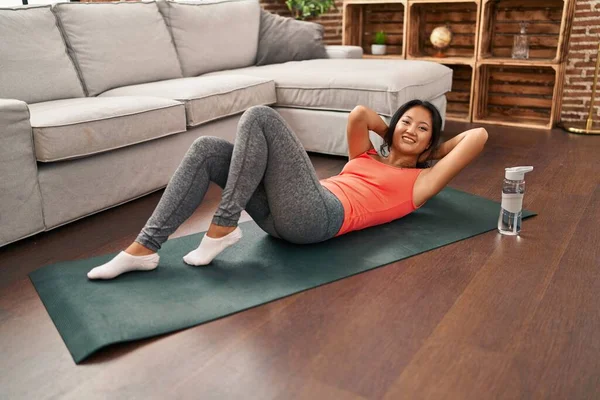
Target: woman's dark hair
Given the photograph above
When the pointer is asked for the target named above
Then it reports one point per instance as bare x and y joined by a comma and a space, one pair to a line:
436, 129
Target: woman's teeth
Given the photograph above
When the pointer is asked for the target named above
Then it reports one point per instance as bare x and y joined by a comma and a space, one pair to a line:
408, 140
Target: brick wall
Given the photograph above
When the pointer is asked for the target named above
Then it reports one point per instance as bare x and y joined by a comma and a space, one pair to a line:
581, 61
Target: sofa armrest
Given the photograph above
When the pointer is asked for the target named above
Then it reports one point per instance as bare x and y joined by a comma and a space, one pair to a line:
20, 199
334, 51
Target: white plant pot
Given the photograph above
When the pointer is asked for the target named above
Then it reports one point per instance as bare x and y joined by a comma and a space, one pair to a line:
378, 49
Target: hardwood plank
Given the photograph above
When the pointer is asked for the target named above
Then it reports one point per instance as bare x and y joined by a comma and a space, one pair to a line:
519, 114
461, 73
541, 53
544, 15
390, 28
529, 76
518, 89
506, 100
375, 15
461, 85
462, 52
458, 96
514, 27
457, 108
535, 41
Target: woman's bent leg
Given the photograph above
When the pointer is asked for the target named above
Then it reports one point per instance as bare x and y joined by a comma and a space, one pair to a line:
207, 159
268, 153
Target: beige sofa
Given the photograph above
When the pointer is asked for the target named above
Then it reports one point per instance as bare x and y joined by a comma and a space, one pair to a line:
99, 102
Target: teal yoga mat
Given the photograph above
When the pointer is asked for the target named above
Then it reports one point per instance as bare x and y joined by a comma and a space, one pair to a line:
90, 315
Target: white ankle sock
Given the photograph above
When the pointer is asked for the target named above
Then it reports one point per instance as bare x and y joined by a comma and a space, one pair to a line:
124, 262
210, 247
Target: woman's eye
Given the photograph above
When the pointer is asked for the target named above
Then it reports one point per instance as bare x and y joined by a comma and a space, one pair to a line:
405, 122
424, 129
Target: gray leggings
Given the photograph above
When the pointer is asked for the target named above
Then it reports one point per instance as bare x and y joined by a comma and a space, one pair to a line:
267, 172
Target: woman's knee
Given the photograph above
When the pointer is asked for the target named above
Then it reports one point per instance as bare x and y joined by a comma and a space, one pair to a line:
259, 113
211, 145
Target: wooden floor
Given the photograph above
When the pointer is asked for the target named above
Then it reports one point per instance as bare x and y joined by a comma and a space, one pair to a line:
488, 317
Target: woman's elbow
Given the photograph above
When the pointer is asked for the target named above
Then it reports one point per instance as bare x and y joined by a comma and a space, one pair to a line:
482, 134
357, 111
357, 114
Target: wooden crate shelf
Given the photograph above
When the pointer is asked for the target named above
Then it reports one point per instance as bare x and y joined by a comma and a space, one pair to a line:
462, 17
548, 27
362, 19
489, 86
460, 98
518, 95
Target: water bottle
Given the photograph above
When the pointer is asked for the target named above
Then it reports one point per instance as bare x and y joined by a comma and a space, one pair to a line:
513, 189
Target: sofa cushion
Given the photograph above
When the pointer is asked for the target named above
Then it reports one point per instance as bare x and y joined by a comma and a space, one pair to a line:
284, 39
74, 128
207, 98
213, 35
117, 44
343, 51
31, 45
340, 85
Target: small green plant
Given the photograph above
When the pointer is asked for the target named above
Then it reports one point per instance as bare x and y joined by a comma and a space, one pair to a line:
380, 38
304, 9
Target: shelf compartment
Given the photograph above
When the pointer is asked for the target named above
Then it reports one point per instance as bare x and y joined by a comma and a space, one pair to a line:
462, 17
517, 95
362, 19
548, 26
460, 98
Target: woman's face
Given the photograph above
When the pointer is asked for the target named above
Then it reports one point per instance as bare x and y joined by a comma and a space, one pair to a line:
413, 131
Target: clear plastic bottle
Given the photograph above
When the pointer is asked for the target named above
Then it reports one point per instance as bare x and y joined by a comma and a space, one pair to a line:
520, 48
513, 190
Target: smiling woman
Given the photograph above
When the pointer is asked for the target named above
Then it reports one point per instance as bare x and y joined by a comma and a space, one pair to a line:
268, 173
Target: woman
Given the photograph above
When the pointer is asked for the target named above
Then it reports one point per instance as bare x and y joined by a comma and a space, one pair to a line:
268, 173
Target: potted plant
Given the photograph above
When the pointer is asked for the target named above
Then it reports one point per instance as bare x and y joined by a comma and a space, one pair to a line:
304, 9
378, 47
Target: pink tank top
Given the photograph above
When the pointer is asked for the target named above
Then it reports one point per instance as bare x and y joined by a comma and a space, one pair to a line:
372, 192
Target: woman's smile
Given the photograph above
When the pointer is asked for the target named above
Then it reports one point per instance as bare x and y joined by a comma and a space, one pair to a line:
409, 139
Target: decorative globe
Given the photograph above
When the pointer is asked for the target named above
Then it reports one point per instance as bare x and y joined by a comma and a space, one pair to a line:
441, 37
